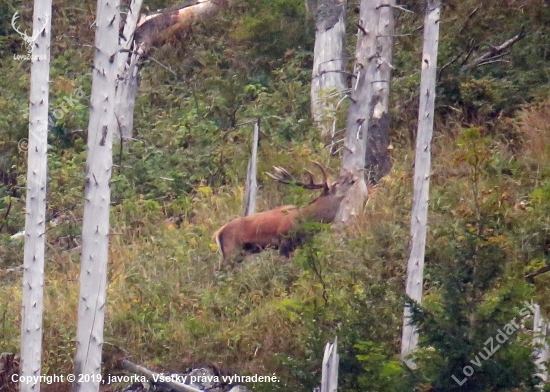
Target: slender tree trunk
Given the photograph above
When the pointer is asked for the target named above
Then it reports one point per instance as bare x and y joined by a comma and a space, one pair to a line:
128, 72
95, 229
329, 370
422, 167
540, 343
360, 110
35, 220
377, 160
328, 81
251, 187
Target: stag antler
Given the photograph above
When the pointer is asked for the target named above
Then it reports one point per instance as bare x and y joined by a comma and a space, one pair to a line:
283, 176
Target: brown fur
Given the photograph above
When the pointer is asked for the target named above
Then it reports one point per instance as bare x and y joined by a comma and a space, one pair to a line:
278, 228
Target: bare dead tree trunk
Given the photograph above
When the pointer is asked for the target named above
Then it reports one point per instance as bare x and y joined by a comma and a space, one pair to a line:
360, 110
35, 220
422, 167
97, 196
329, 371
328, 80
540, 343
128, 72
378, 161
251, 187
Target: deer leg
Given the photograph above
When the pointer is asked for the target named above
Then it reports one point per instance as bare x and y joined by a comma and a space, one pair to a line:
251, 248
286, 247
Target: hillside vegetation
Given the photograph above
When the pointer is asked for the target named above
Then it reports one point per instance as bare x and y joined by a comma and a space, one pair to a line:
182, 176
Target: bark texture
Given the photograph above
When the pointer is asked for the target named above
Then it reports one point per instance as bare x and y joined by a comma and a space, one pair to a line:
377, 159
422, 167
331, 361
95, 230
360, 108
328, 79
35, 219
541, 351
128, 73
251, 187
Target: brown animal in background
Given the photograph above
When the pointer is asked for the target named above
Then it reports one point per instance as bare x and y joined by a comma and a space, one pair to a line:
280, 227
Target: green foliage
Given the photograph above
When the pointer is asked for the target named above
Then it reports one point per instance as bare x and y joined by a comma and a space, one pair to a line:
274, 27
381, 373
479, 288
468, 31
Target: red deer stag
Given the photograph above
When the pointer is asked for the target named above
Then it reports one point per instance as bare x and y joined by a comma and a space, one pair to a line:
280, 228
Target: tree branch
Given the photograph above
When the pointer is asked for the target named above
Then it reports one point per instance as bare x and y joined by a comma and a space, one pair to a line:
156, 27
448, 64
397, 7
531, 277
494, 53
468, 19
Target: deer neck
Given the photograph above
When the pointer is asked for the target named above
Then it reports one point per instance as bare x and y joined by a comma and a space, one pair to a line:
322, 209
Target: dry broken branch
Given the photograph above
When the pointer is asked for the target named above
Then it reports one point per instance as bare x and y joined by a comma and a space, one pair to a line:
468, 19
448, 64
531, 277
159, 26
495, 53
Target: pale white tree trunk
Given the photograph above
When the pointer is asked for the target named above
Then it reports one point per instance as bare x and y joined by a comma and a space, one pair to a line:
422, 167
329, 370
127, 84
328, 81
35, 220
355, 142
251, 187
95, 229
377, 160
541, 350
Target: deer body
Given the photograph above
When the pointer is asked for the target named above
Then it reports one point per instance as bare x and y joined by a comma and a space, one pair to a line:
280, 227
256, 232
